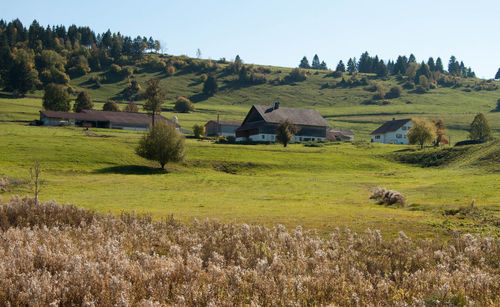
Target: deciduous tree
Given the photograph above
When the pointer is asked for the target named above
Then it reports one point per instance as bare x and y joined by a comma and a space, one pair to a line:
155, 97
198, 130
285, 132
163, 144
421, 132
183, 105
56, 98
480, 128
83, 102
440, 129
210, 85
111, 106
131, 107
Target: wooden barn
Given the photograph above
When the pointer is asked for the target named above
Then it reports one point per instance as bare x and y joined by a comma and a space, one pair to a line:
221, 128
261, 122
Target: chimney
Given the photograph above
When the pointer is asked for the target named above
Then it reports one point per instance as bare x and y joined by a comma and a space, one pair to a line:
276, 104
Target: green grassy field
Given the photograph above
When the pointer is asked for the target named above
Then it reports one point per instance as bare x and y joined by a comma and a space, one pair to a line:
316, 187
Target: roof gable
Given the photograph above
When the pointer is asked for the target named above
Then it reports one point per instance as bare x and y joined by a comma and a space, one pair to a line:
391, 126
303, 117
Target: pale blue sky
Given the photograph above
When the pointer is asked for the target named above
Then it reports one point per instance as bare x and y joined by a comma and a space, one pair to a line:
280, 33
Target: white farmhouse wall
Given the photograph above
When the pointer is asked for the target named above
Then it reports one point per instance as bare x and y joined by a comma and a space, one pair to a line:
394, 137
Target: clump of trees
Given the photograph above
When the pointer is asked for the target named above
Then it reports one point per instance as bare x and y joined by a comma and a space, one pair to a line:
83, 102
296, 75
163, 144
183, 105
56, 98
285, 132
316, 64
480, 128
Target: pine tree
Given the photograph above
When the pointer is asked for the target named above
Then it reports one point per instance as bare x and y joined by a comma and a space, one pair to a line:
453, 66
412, 59
351, 65
497, 76
304, 63
381, 69
439, 65
210, 86
423, 70
341, 67
315, 62
432, 65
400, 65
365, 63
323, 66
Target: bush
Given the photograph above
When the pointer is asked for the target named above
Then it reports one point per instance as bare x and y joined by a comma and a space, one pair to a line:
297, 75
394, 92
111, 105
199, 131
183, 105
4, 183
131, 108
388, 197
420, 89
170, 70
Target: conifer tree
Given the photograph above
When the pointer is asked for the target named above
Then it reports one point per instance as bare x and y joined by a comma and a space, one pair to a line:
315, 62
341, 67
432, 64
304, 63
497, 76
439, 65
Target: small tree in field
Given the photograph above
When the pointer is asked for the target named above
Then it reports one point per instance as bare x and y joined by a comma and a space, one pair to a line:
421, 132
83, 102
210, 86
111, 105
183, 105
285, 132
199, 131
56, 98
155, 97
480, 128
163, 144
440, 127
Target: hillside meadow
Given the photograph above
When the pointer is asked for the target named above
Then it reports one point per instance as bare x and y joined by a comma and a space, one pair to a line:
316, 187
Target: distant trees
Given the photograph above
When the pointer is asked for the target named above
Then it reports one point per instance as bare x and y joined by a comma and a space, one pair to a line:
163, 144
315, 62
56, 98
210, 85
111, 106
480, 128
497, 76
83, 102
285, 132
340, 66
22, 75
131, 107
183, 105
394, 92
198, 131
421, 132
497, 109
154, 98
297, 75
304, 63
351, 66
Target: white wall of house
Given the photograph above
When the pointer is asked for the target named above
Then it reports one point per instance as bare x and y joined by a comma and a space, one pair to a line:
272, 138
393, 137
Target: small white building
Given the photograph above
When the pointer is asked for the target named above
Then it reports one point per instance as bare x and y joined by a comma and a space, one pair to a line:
392, 132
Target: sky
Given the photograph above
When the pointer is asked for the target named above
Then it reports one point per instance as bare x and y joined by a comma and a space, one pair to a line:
281, 32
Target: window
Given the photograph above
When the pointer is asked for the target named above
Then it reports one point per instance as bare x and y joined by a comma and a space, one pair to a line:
263, 137
312, 139
377, 137
403, 128
399, 136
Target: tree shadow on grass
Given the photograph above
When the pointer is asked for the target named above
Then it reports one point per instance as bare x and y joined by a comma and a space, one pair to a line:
131, 170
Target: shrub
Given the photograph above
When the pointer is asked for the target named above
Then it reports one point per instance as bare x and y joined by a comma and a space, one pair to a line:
199, 131
297, 75
388, 197
131, 108
420, 89
394, 92
183, 105
4, 183
111, 105
170, 70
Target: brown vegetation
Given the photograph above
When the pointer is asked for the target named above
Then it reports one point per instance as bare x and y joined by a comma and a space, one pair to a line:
63, 255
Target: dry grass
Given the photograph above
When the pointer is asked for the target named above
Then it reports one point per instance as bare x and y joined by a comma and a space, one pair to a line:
64, 255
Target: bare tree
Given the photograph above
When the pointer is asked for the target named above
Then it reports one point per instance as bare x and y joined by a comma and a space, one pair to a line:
35, 172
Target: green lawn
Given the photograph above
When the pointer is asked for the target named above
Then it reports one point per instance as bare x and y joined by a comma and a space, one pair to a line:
316, 187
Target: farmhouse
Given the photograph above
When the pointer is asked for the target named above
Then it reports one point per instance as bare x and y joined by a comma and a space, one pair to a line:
261, 122
339, 135
392, 132
101, 119
221, 128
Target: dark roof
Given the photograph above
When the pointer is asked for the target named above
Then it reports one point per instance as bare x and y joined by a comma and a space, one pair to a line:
225, 123
303, 117
391, 126
107, 116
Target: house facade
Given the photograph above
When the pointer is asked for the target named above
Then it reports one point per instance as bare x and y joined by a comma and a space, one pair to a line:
221, 128
101, 119
392, 132
261, 122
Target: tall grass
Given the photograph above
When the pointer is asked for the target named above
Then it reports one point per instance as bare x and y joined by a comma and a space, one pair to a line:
64, 255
